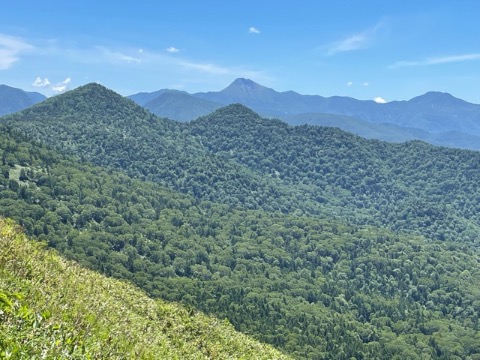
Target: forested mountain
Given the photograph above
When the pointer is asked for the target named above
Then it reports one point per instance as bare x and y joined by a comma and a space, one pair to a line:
109, 130
52, 308
13, 99
318, 289
411, 187
235, 157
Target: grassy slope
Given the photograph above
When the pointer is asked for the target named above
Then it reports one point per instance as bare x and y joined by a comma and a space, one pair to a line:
52, 308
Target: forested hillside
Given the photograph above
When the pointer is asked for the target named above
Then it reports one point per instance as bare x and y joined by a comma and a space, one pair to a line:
412, 187
54, 309
237, 158
103, 127
313, 288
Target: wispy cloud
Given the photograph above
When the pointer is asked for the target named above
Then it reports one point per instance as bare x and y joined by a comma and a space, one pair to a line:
119, 56
350, 83
380, 100
358, 41
41, 83
61, 86
165, 58
206, 67
253, 30
10, 50
172, 50
366, 83
437, 60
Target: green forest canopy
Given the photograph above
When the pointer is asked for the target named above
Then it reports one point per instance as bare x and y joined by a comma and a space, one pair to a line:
314, 288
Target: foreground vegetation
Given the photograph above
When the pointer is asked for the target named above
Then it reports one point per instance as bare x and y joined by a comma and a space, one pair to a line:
52, 308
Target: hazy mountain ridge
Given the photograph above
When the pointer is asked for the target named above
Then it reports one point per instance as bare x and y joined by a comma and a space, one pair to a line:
180, 106
422, 111
435, 117
13, 99
144, 97
382, 131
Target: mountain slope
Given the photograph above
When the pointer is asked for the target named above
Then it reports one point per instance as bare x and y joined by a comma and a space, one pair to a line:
13, 99
409, 187
52, 308
104, 127
315, 288
180, 106
237, 158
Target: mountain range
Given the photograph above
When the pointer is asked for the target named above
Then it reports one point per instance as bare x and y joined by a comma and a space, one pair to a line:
435, 117
13, 99
319, 242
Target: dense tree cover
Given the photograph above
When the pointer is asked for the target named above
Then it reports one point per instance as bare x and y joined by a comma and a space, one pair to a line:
54, 309
237, 158
109, 130
411, 187
313, 287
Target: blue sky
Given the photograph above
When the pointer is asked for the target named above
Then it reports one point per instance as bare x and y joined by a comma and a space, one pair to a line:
391, 50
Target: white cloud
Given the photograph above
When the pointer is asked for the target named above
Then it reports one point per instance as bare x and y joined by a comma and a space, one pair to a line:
353, 42
437, 60
140, 51
349, 83
380, 100
61, 86
41, 83
10, 49
173, 50
253, 30
366, 83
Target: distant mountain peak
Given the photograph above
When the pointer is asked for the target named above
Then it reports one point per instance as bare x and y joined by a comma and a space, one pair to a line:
245, 85
437, 97
245, 82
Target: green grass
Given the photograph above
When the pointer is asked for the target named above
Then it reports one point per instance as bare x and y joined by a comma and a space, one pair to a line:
51, 308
